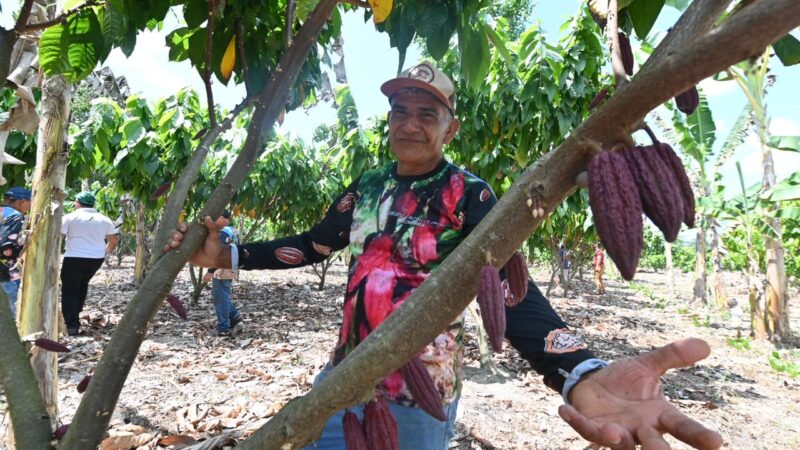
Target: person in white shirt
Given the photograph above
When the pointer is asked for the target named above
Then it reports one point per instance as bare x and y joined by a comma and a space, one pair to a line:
91, 237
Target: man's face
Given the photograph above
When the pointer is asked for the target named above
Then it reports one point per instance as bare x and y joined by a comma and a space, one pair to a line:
24, 206
419, 127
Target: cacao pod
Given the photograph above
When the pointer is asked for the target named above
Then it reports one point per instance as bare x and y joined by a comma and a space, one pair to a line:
161, 190
659, 189
687, 101
423, 389
354, 436
674, 162
380, 426
177, 305
60, 432
50, 345
617, 210
84, 384
492, 303
598, 99
626, 52
517, 275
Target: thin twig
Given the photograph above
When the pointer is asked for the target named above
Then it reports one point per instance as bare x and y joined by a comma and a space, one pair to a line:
212, 114
60, 18
650, 133
24, 15
289, 21
612, 29
357, 3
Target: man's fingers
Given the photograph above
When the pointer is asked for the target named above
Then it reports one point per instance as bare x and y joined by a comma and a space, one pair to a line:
681, 353
585, 427
690, 431
651, 439
615, 436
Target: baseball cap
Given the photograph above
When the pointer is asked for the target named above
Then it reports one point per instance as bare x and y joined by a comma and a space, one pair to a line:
85, 198
226, 213
426, 77
18, 193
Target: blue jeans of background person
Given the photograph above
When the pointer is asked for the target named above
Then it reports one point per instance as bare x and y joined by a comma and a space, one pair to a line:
223, 306
416, 429
11, 288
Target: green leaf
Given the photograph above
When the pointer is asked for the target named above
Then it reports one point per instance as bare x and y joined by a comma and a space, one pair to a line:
787, 192
304, 8
680, 5
74, 49
788, 50
195, 12
701, 126
132, 132
113, 24
644, 14
787, 143
475, 55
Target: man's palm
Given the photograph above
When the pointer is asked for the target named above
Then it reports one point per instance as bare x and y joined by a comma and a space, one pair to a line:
622, 404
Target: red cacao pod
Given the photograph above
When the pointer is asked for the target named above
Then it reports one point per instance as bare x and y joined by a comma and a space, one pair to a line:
380, 426
617, 210
354, 436
688, 101
50, 345
290, 255
177, 305
161, 190
626, 52
60, 432
492, 304
687, 194
517, 276
598, 99
423, 389
83, 384
659, 189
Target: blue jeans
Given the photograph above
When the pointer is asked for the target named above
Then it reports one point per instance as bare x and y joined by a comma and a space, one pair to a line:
223, 306
11, 288
417, 430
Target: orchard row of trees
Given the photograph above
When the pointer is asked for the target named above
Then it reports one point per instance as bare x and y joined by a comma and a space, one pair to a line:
528, 132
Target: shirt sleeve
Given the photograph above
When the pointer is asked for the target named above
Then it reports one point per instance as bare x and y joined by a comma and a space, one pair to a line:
532, 326
296, 251
65, 224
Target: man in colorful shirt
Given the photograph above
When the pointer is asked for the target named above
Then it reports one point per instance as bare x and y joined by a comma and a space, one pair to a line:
400, 222
228, 317
16, 203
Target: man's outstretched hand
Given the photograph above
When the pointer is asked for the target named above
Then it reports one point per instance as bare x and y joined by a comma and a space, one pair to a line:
212, 253
622, 405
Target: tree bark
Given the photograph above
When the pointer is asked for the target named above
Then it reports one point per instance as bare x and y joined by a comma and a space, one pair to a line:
700, 266
720, 295
142, 251
38, 306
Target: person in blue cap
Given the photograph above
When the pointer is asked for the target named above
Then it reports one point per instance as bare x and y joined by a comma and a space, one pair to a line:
16, 203
91, 237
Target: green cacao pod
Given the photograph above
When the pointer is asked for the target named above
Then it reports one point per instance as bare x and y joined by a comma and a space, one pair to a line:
626, 52
687, 194
380, 426
354, 436
517, 276
659, 189
617, 210
687, 101
492, 304
423, 389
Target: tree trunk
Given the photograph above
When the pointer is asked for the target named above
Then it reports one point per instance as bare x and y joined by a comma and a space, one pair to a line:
197, 283
700, 266
142, 253
38, 307
718, 287
670, 269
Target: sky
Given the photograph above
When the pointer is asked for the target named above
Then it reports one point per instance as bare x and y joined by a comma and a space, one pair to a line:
370, 60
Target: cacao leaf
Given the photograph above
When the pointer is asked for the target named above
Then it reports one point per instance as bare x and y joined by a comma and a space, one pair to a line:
644, 13
380, 10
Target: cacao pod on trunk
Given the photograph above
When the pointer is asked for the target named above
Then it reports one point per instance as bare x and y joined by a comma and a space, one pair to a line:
84, 384
598, 99
492, 304
687, 101
51, 345
517, 276
617, 210
423, 389
380, 426
354, 436
687, 194
659, 189
177, 305
626, 52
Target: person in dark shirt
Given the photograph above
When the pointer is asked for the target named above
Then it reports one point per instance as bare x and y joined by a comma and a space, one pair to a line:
16, 203
400, 222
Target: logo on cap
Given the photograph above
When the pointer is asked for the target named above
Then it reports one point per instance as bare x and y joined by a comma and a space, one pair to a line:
422, 72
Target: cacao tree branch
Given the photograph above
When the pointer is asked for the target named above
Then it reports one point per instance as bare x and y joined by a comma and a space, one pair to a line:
176, 199
29, 417
24, 15
289, 21
438, 300
698, 18
60, 18
94, 412
212, 114
612, 29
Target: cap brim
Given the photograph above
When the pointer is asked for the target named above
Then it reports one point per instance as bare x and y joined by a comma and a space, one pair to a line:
391, 87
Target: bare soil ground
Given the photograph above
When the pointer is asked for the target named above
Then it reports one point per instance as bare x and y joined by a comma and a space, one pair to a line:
190, 386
